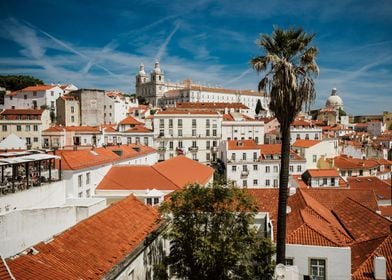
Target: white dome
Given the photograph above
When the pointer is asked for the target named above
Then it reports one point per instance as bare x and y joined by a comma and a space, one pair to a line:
141, 70
157, 68
334, 101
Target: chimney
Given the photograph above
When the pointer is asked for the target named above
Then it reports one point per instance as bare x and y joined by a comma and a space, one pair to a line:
380, 268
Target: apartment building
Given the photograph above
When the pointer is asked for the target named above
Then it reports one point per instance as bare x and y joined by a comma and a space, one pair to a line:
195, 134
27, 124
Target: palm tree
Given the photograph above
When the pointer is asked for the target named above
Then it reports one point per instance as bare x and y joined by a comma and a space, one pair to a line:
289, 66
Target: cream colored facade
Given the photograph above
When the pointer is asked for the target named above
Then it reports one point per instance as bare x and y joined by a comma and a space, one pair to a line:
27, 124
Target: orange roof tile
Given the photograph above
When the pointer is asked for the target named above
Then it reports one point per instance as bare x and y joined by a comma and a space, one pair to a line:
139, 128
22, 112
37, 88
129, 121
323, 172
91, 248
134, 177
344, 162
381, 188
5, 273
172, 174
302, 143
210, 105
386, 211
182, 171
242, 145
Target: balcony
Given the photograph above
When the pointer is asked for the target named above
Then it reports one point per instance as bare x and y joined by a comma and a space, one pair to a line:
214, 149
244, 173
193, 149
180, 151
161, 149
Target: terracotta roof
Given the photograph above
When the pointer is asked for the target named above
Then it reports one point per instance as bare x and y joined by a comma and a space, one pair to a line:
323, 172
172, 111
55, 128
84, 128
139, 128
386, 211
275, 149
352, 216
22, 112
380, 188
172, 174
300, 122
242, 145
302, 143
91, 248
109, 129
134, 177
182, 171
367, 251
345, 162
210, 105
5, 273
80, 159
68, 97
130, 121
227, 117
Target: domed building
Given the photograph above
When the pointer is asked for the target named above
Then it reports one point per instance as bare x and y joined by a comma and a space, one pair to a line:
333, 107
334, 101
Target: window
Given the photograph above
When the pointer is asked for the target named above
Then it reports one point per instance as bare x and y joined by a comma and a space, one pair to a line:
28, 140
275, 183
193, 132
18, 128
194, 144
27, 127
149, 201
314, 158
299, 168
156, 200
307, 136
179, 123
193, 123
361, 172
267, 169
233, 156
243, 156
80, 194
171, 145
35, 127
87, 178
255, 167
80, 180
244, 168
291, 168
332, 181
25, 96
51, 93
267, 183
276, 169
34, 93
180, 144
180, 132
207, 132
289, 261
161, 123
255, 182
88, 193
35, 139
244, 183
52, 104
207, 123
317, 269
234, 168
343, 173
325, 181
72, 119
349, 173
208, 156
170, 123
254, 156
214, 132
4, 127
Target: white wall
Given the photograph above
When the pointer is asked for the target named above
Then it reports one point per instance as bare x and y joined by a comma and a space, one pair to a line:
47, 195
338, 259
326, 148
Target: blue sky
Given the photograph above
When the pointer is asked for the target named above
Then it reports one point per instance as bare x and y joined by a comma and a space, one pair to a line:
100, 44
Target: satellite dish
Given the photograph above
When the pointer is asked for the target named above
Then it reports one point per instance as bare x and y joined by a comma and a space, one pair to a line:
280, 271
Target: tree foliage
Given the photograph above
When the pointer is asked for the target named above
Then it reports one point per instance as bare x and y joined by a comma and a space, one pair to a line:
17, 82
213, 236
289, 66
258, 107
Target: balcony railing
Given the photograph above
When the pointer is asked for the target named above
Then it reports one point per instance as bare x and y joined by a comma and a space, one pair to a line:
161, 149
214, 149
244, 173
193, 149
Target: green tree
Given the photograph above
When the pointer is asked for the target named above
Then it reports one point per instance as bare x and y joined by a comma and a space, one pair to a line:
17, 82
212, 235
258, 107
289, 66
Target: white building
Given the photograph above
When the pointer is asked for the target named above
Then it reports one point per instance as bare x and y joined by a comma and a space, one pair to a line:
251, 165
195, 134
237, 126
34, 97
117, 106
313, 150
161, 93
302, 129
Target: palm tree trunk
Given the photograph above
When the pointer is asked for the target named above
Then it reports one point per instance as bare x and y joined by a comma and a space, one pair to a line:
283, 183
